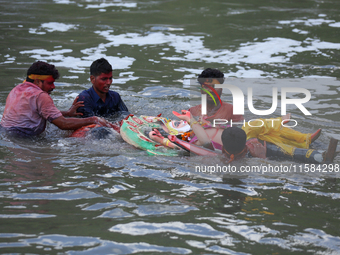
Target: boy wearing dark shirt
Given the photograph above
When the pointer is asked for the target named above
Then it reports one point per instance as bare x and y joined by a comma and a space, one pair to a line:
99, 100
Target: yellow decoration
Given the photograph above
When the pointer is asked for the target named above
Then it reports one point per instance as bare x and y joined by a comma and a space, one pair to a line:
272, 131
39, 77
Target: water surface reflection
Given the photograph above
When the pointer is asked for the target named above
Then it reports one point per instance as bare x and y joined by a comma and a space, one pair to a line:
85, 196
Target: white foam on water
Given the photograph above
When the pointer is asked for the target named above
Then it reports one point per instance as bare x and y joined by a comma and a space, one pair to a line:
187, 47
70, 77
105, 5
337, 24
302, 32
100, 5
166, 28
52, 27
307, 22
57, 26
64, 1
270, 50
58, 58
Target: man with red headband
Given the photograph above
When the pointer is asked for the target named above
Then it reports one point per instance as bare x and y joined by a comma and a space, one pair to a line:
29, 105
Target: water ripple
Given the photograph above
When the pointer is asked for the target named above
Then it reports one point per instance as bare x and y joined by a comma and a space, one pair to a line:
143, 228
73, 194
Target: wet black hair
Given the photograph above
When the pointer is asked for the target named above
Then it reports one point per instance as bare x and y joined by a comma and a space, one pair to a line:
100, 66
211, 73
42, 68
101, 133
234, 140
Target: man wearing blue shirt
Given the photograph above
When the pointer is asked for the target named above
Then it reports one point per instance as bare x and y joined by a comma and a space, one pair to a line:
99, 100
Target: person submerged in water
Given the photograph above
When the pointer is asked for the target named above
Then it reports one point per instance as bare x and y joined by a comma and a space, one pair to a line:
99, 100
262, 142
213, 134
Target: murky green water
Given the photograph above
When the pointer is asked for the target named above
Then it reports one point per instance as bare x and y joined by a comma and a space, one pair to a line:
61, 195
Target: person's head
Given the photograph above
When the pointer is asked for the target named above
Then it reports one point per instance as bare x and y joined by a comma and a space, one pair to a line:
101, 75
43, 75
100, 66
208, 78
234, 140
210, 74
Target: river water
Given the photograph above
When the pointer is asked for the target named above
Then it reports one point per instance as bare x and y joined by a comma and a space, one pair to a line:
61, 195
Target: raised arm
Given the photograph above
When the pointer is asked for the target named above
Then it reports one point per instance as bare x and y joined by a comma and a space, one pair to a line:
199, 131
75, 123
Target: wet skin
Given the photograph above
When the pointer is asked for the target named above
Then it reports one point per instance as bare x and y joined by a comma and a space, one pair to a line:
46, 85
211, 82
101, 84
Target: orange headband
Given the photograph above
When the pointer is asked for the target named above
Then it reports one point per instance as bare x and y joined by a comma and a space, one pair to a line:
39, 77
232, 156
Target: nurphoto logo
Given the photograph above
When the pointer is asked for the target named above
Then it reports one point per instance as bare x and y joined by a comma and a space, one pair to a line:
239, 101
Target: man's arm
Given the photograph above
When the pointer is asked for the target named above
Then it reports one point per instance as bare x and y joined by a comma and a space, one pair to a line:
75, 123
199, 131
237, 118
195, 110
49, 111
227, 112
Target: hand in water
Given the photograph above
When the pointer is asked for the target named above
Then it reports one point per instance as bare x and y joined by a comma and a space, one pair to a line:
103, 122
257, 149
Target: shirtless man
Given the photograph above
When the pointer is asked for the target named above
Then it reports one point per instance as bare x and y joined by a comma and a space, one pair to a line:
208, 78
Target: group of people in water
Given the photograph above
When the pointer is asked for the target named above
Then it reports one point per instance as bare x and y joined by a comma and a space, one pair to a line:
29, 106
